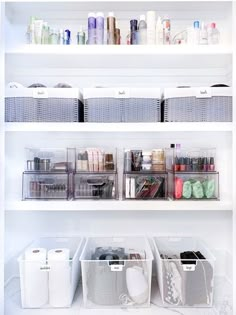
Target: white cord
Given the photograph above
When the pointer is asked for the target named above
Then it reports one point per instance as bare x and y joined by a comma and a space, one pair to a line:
126, 300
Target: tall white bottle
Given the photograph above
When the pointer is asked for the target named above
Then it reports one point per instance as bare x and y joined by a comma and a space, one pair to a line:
159, 31
151, 28
142, 31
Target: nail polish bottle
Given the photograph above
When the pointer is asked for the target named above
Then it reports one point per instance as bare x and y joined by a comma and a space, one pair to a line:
187, 164
200, 164
205, 164
182, 165
176, 165
211, 165
194, 164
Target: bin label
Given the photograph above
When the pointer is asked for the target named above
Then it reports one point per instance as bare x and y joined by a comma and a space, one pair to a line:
204, 92
40, 93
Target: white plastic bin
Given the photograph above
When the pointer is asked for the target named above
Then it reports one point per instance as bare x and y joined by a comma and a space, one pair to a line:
116, 272
50, 272
122, 104
43, 105
198, 104
184, 281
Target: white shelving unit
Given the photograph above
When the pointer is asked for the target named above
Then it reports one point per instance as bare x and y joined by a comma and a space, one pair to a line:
85, 66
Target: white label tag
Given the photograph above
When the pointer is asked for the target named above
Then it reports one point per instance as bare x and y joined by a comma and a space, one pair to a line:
122, 93
45, 268
40, 93
204, 92
117, 267
189, 267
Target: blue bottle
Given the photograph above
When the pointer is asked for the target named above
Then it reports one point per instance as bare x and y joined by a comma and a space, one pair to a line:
100, 28
91, 28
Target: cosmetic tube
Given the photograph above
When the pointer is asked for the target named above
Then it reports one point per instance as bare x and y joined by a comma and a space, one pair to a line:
91, 28
38, 30
111, 26
100, 28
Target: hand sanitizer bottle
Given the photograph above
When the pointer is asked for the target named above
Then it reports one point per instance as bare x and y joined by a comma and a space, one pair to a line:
196, 32
203, 35
213, 34
159, 31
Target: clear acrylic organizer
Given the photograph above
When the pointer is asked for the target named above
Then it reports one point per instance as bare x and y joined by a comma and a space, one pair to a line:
45, 186
185, 271
116, 272
50, 272
193, 186
49, 160
102, 185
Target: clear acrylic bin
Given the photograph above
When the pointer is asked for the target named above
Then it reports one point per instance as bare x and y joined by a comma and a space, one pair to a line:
145, 185
116, 272
96, 160
50, 272
50, 159
136, 160
191, 159
45, 186
95, 186
193, 186
185, 272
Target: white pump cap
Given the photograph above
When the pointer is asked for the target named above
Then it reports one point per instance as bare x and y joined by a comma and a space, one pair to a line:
100, 14
91, 14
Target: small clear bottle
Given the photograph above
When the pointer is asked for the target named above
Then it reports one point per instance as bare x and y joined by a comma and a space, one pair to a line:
54, 36
203, 35
196, 33
213, 34
142, 29
159, 31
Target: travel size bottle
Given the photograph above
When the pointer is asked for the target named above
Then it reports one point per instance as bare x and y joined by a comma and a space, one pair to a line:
142, 31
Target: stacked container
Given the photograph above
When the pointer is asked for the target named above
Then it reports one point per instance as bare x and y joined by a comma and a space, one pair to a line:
145, 175
46, 174
192, 174
95, 176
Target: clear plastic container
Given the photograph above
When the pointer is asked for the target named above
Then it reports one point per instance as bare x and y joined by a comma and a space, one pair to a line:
50, 272
50, 160
138, 160
45, 186
191, 159
185, 272
116, 272
96, 160
143, 185
193, 186
95, 186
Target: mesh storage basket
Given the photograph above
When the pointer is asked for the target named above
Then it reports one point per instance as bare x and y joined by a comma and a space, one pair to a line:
198, 104
122, 105
43, 105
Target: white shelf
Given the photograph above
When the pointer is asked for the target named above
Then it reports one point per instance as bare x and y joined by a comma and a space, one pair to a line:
117, 127
105, 56
118, 205
222, 297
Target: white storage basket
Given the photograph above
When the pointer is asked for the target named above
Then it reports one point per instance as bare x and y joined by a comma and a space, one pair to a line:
49, 274
210, 104
116, 272
43, 105
184, 282
122, 105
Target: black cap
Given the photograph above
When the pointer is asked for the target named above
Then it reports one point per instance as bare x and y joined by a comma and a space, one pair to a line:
172, 145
